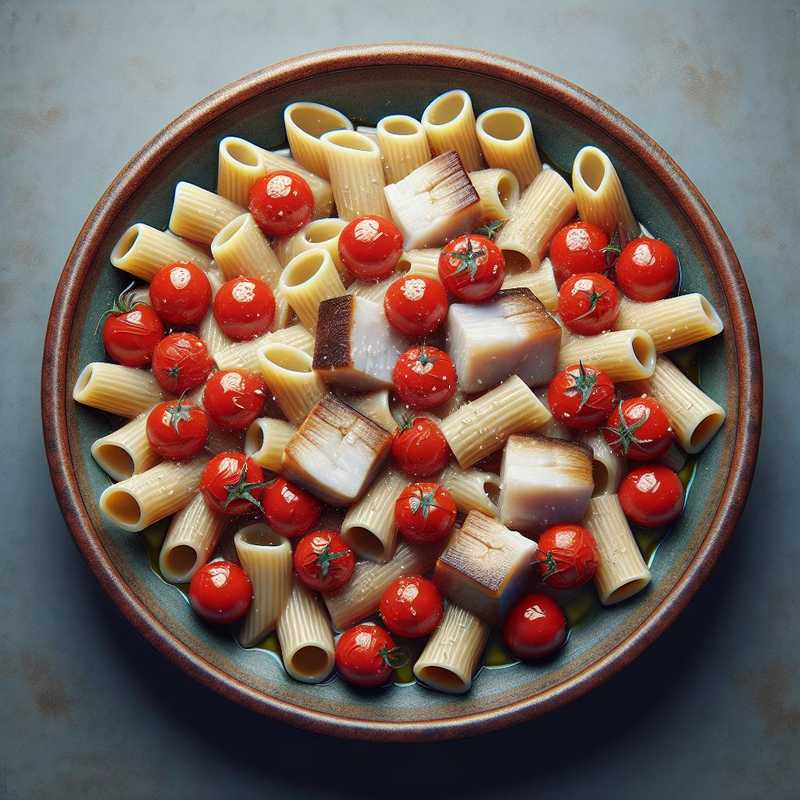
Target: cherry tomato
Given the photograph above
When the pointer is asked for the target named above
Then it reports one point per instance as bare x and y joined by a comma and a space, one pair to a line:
647, 269
370, 247
425, 513
290, 510
234, 398
181, 362
535, 627
472, 268
177, 430
415, 305
281, 203
581, 397
323, 561
588, 303
639, 429
180, 293
424, 377
366, 655
131, 331
221, 592
651, 495
244, 308
567, 556
578, 248
233, 484
411, 606
420, 449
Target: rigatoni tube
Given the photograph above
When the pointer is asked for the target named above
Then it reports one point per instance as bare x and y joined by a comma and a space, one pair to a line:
627, 355
322, 233
288, 373
239, 166
472, 489
125, 451
305, 124
498, 190
200, 215
449, 123
540, 281
307, 280
244, 355
125, 391
143, 250
506, 138
241, 249
265, 441
403, 144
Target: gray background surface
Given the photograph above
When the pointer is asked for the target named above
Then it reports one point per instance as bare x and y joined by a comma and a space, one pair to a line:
90, 710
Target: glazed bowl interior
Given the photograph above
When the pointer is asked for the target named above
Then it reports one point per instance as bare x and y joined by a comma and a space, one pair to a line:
367, 84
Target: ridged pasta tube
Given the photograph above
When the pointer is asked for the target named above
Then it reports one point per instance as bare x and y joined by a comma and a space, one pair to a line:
506, 138
449, 123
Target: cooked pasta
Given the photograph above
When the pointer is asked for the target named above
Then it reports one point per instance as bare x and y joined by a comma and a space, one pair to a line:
126, 451
306, 123
451, 655
472, 489
372, 290
627, 355
403, 145
498, 190
544, 207
241, 249
541, 282
267, 559
143, 250
200, 215
424, 262
307, 280
322, 233
211, 333
607, 467
244, 355
621, 571
506, 139
374, 406
449, 123
190, 541
288, 373
124, 391
674, 458
265, 441
239, 166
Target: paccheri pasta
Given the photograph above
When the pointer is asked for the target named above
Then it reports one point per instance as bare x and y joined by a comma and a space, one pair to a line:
407, 397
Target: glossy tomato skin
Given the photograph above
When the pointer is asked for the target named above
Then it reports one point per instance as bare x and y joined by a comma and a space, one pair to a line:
244, 308
472, 268
281, 203
411, 606
578, 248
567, 556
364, 655
535, 627
425, 513
233, 484
588, 303
581, 397
651, 495
177, 430
323, 561
424, 377
180, 294
415, 305
221, 592
639, 429
181, 361
130, 335
647, 269
420, 449
290, 510
370, 247
233, 398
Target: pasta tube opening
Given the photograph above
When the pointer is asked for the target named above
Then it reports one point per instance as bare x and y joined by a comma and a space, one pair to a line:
125, 243
241, 151
179, 561
285, 357
303, 267
592, 169
443, 679
705, 430
114, 459
315, 119
322, 231
228, 232
83, 381
627, 590
366, 543
446, 109
351, 140
310, 660
600, 477
121, 506
399, 125
644, 351
505, 124
259, 535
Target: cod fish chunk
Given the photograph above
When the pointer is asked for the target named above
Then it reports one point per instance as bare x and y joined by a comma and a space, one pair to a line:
485, 567
544, 481
511, 334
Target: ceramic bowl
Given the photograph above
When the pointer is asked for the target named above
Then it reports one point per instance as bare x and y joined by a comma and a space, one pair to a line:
367, 83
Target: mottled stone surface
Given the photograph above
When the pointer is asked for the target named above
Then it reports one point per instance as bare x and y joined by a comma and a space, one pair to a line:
91, 710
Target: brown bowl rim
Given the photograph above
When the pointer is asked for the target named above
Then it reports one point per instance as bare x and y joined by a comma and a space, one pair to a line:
684, 194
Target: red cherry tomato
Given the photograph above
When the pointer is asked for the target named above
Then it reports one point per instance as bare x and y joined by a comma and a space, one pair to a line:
578, 248
588, 303
567, 556
180, 293
424, 377
581, 397
177, 430
281, 203
472, 268
370, 247
535, 627
290, 510
323, 561
420, 449
425, 513
647, 269
234, 398
639, 429
221, 592
131, 332
411, 606
415, 305
233, 484
244, 308
651, 495
366, 655
181, 362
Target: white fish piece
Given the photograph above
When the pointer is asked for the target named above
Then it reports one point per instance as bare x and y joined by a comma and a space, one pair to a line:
434, 203
356, 348
513, 333
544, 481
